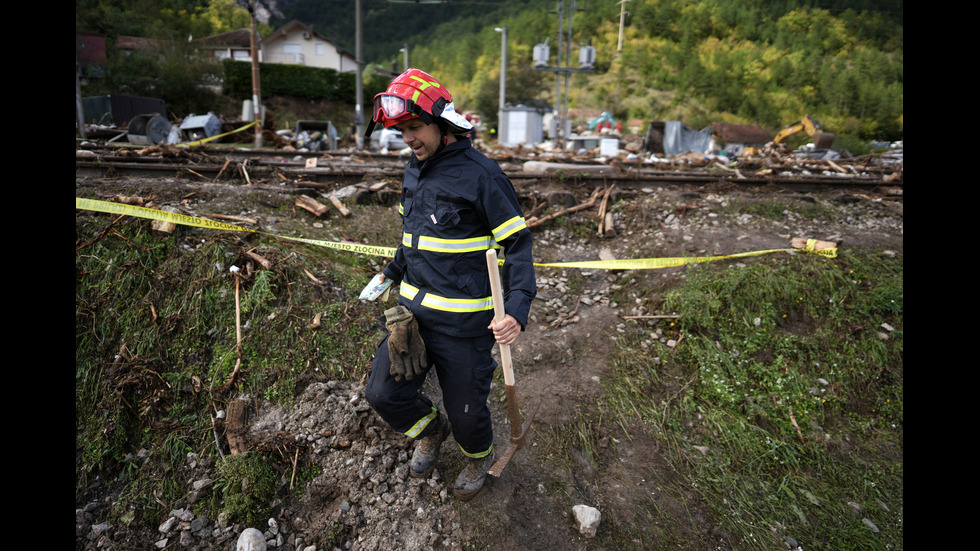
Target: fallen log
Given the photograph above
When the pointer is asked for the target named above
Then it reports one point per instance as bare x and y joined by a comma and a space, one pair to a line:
311, 204
540, 167
236, 429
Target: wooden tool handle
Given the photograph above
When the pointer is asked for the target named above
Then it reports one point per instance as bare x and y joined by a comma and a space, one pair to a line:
498, 314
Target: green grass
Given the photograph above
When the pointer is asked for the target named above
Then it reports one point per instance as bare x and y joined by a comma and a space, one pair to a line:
782, 402
247, 484
778, 210
778, 414
156, 342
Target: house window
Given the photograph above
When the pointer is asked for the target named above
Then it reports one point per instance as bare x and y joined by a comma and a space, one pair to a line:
319, 48
293, 50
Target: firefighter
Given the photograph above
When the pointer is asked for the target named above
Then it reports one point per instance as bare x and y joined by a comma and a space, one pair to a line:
455, 204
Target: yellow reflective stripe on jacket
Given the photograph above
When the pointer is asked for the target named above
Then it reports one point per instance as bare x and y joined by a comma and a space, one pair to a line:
508, 228
401, 209
444, 304
417, 428
476, 455
441, 245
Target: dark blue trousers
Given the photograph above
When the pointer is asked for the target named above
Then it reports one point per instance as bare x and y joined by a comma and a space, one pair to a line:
464, 367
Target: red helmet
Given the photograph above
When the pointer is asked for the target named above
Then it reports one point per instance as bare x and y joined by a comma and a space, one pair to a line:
416, 93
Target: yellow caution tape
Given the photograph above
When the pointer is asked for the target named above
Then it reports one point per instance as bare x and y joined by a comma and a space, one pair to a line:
627, 264
212, 138
654, 263
185, 220
829, 252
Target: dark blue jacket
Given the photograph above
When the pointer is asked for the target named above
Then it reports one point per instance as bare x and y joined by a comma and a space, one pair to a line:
454, 206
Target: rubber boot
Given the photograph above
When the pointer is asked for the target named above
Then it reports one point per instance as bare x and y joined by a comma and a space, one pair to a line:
427, 450
471, 479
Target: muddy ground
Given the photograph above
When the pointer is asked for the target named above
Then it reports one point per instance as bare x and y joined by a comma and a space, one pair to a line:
363, 498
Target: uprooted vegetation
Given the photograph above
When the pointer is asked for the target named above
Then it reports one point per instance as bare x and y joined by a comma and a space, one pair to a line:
751, 404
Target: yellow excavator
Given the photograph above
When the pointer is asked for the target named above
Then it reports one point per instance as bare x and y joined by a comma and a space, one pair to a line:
821, 139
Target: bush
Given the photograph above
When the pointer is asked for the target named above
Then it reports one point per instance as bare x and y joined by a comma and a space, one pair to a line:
288, 80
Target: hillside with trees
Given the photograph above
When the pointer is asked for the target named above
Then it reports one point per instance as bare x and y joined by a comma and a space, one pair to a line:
764, 62
748, 62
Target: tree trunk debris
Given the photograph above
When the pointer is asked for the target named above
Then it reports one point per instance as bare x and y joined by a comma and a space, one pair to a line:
317, 208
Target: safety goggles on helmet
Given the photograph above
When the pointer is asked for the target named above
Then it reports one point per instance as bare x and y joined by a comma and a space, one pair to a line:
390, 110
393, 107
415, 93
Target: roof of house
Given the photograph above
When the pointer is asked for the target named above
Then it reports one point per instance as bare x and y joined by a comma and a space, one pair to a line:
90, 47
136, 43
238, 37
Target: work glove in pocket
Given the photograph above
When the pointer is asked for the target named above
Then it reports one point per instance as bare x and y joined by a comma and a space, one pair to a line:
405, 346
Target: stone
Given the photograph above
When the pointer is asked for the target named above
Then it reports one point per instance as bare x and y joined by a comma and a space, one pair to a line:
587, 518
251, 540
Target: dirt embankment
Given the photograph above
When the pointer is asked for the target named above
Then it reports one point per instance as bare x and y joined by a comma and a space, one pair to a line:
363, 498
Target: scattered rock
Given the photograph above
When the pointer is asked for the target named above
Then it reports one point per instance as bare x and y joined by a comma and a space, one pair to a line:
251, 540
587, 518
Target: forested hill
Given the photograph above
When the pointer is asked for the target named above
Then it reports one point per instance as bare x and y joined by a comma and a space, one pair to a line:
765, 62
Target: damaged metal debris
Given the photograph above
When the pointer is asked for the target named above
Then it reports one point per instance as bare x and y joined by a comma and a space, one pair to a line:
313, 156
143, 121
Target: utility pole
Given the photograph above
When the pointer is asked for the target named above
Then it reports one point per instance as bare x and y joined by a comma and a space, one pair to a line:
586, 65
359, 115
79, 110
558, 117
256, 91
503, 73
622, 20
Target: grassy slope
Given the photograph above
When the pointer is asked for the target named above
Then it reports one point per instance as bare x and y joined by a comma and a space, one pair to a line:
782, 407
785, 394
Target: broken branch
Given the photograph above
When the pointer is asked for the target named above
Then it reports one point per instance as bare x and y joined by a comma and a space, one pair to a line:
588, 204
340, 206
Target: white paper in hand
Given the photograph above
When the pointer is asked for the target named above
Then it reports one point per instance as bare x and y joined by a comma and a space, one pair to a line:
375, 288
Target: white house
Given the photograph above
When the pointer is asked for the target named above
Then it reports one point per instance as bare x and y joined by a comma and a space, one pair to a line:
234, 44
298, 44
